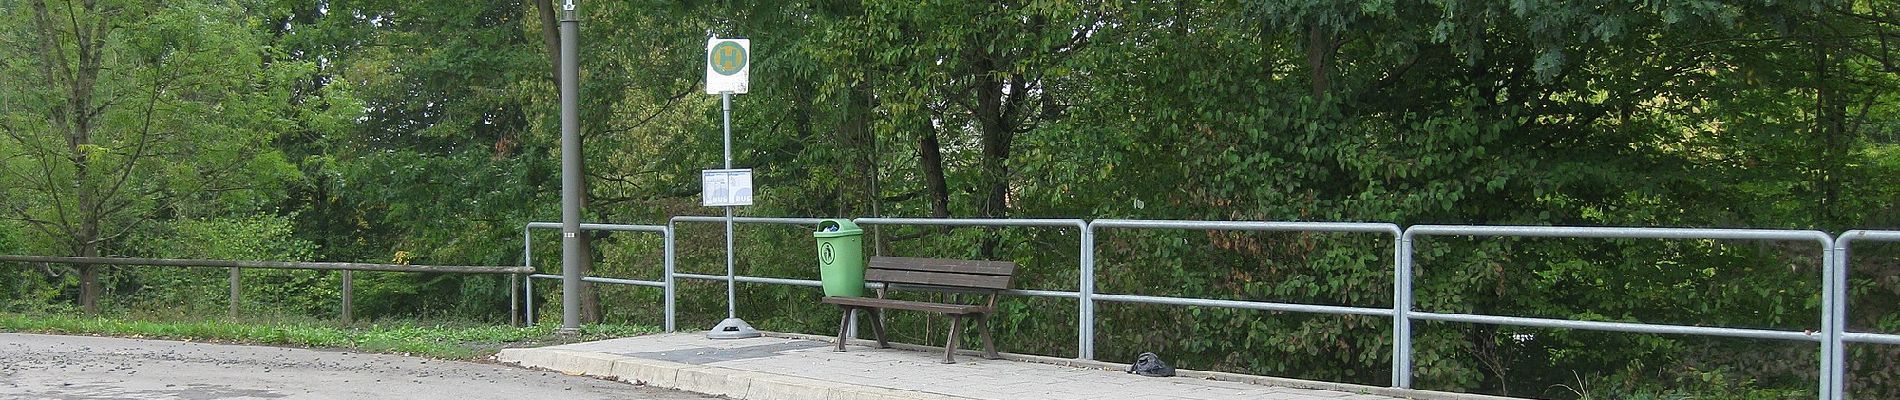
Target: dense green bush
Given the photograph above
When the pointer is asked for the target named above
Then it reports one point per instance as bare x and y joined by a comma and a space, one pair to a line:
206, 291
426, 134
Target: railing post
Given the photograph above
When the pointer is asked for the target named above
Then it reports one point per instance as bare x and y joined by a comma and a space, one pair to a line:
668, 262
1086, 295
1834, 317
349, 298
527, 283
1401, 307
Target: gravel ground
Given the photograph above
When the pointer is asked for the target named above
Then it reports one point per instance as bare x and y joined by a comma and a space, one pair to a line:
85, 368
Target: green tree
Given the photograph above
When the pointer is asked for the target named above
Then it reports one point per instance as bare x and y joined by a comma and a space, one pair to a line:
117, 113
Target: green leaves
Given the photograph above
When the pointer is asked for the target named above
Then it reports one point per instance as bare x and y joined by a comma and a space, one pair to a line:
427, 128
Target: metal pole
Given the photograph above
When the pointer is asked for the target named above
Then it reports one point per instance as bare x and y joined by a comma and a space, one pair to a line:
1086, 335
528, 287
574, 257
732, 308
1401, 306
1828, 331
732, 293
732, 327
1834, 320
527, 261
667, 253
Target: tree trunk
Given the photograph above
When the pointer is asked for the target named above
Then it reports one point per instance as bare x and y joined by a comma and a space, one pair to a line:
930, 160
1830, 115
863, 146
590, 298
551, 36
73, 118
1319, 58
862, 107
88, 239
997, 134
89, 288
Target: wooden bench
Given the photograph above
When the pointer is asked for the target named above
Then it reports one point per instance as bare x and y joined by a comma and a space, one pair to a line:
980, 278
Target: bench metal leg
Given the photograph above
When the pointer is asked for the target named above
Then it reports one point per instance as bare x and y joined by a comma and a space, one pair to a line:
950, 347
877, 327
844, 322
989, 346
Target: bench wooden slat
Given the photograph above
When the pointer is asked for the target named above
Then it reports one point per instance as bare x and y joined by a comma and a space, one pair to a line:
954, 309
898, 287
937, 279
944, 265
983, 277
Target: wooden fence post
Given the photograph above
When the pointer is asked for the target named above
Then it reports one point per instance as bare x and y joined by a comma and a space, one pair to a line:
236, 291
349, 298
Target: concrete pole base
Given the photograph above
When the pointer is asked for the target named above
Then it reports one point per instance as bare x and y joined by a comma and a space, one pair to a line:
732, 328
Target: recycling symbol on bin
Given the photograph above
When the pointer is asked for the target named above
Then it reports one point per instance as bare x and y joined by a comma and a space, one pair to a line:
824, 254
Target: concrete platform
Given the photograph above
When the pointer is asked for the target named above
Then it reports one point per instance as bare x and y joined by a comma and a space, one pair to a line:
791, 366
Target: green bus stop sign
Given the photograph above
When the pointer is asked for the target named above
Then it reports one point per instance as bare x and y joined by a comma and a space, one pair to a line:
727, 58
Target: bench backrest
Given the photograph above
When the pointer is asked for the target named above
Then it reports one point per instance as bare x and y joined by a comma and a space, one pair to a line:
946, 273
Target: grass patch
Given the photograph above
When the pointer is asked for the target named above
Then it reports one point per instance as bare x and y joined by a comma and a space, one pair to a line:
446, 340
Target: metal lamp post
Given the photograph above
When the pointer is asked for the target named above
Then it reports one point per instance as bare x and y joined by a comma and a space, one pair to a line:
574, 257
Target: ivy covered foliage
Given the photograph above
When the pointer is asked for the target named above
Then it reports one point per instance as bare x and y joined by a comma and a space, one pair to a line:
426, 132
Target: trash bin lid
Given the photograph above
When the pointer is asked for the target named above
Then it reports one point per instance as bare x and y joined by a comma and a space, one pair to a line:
837, 228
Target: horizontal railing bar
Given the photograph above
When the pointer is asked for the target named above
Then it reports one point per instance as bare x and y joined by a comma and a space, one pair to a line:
753, 220
1881, 236
1875, 338
1044, 293
1251, 225
1814, 336
1618, 232
812, 283
752, 279
327, 266
596, 279
970, 222
602, 227
1250, 305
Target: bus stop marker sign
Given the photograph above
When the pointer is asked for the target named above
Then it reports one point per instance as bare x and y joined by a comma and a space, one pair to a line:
728, 65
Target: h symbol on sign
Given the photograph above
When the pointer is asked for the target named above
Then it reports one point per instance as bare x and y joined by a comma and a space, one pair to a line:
727, 57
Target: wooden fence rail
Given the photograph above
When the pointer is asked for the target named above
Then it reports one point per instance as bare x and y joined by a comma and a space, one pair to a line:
236, 265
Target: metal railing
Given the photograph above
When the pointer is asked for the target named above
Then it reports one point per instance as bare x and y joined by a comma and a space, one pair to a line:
1841, 246
1838, 319
732, 297
1831, 334
1402, 352
527, 261
1085, 304
1397, 312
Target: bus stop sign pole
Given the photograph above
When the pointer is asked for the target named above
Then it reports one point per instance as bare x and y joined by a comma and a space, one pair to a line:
727, 65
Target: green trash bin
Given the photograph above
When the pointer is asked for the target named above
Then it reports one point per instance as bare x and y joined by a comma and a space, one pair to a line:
840, 257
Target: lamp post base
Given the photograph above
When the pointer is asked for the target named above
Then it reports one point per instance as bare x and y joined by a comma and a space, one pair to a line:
732, 328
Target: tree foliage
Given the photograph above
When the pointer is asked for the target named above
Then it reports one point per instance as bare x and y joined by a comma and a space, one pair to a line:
426, 132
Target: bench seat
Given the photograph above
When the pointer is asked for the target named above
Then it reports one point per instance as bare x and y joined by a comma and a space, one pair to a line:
981, 278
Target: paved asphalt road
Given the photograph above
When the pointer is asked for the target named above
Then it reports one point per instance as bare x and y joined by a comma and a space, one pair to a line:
86, 368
